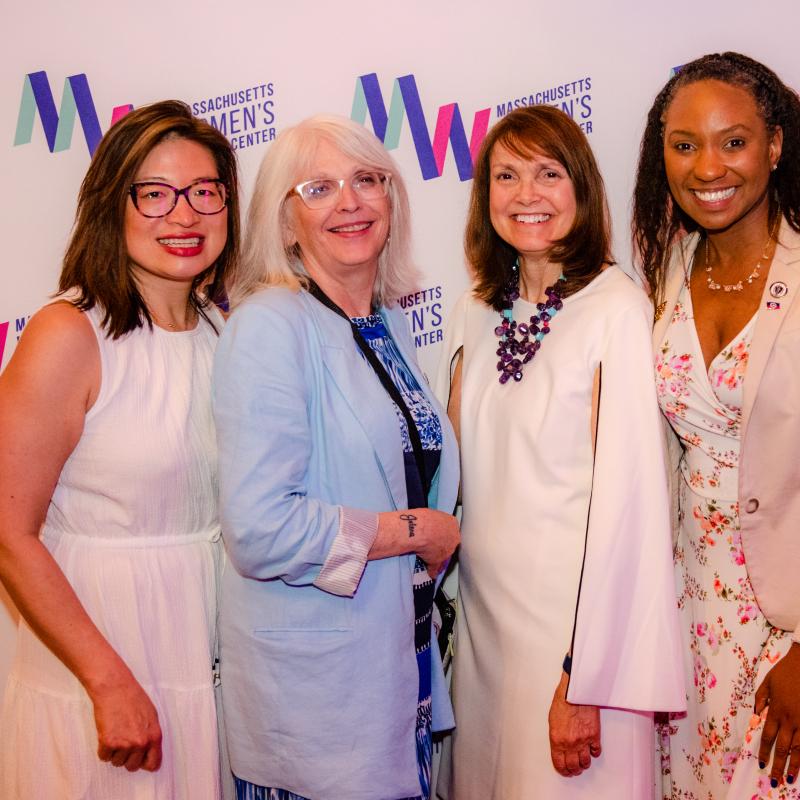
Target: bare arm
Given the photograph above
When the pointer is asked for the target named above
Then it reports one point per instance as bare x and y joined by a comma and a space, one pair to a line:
45, 391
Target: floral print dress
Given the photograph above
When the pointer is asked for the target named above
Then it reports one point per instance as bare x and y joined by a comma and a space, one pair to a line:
711, 753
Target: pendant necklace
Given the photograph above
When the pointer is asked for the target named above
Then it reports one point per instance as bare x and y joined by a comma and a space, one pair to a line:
738, 286
515, 351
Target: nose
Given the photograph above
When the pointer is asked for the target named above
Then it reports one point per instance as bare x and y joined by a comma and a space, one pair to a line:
183, 214
348, 199
527, 191
709, 165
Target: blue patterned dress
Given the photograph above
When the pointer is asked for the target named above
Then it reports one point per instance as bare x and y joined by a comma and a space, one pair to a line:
429, 427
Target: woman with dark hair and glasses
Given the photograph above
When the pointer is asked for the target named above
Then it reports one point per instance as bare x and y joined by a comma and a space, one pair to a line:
717, 224
109, 536
567, 636
338, 473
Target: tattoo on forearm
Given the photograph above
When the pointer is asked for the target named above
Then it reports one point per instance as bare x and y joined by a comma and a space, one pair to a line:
412, 523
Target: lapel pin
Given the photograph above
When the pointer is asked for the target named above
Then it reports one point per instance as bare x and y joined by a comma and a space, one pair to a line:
772, 305
778, 289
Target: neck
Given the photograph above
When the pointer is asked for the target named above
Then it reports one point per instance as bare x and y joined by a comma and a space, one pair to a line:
743, 242
351, 292
167, 302
535, 275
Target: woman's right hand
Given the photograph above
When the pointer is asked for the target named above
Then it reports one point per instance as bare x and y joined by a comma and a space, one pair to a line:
431, 534
128, 731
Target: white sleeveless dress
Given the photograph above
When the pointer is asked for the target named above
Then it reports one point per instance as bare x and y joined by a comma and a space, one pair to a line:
133, 525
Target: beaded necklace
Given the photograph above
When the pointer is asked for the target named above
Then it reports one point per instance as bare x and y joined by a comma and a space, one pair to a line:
516, 352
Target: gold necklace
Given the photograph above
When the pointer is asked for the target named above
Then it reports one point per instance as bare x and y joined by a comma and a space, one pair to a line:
739, 285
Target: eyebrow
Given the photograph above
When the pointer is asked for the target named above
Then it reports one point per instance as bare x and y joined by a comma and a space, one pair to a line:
739, 126
161, 179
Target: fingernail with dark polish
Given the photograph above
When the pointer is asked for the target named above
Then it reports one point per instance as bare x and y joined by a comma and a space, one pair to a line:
790, 779
761, 765
773, 782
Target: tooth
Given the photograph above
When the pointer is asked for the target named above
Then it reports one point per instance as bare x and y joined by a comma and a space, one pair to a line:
713, 196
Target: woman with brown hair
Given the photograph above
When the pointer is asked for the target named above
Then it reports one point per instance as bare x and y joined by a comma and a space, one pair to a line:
567, 636
717, 223
109, 538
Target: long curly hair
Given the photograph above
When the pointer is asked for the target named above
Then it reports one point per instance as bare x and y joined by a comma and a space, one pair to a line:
657, 219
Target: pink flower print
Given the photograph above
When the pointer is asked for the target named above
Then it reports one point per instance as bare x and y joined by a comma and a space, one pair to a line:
747, 612
763, 787
701, 628
711, 680
713, 640
717, 585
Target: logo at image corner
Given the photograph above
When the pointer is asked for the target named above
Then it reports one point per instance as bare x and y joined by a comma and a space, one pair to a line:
58, 126
8, 329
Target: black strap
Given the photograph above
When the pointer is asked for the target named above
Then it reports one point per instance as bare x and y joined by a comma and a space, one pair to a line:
386, 381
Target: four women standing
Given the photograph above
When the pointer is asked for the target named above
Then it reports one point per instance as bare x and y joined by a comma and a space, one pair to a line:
339, 470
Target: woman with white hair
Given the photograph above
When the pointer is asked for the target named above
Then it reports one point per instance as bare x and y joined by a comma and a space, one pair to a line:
338, 470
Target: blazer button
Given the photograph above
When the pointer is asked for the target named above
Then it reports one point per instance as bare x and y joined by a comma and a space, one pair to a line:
751, 506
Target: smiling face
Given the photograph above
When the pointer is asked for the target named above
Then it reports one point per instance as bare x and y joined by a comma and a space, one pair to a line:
531, 201
718, 155
181, 245
346, 239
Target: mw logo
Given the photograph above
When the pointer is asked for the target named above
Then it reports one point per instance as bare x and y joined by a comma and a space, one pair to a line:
405, 103
76, 100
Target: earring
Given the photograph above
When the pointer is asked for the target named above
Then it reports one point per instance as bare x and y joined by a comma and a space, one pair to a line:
774, 167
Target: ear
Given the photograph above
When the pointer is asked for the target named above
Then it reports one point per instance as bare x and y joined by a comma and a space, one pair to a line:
776, 147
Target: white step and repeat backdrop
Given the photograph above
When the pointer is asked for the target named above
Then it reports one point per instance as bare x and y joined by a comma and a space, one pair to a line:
429, 77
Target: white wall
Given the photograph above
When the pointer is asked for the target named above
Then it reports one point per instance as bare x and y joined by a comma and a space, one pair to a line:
475, 54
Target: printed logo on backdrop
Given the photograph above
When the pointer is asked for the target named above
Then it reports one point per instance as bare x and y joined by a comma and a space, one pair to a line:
572, 97
423, 310
76, 101
246, 116
11, 328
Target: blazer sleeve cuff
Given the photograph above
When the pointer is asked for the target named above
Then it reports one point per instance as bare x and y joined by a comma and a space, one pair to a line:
342, 570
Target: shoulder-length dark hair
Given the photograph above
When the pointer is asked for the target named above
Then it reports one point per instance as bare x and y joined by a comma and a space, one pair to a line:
96, 263
657, 219
587, 245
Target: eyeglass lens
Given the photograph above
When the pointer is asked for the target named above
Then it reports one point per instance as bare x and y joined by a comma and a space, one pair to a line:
158, 199
323, 192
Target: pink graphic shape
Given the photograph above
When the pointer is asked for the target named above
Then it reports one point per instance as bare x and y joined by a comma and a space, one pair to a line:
3, 336
119, 112
480, 126
444, 127
441, 135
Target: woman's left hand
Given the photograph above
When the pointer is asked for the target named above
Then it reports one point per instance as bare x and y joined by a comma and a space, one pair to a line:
574, 733
779, 693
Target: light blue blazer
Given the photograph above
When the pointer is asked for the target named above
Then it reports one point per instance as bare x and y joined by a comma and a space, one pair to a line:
319, 690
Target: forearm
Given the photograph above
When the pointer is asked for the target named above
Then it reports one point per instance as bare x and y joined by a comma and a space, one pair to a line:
50, 606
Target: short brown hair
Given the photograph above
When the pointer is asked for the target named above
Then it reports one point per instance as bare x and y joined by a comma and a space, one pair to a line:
587, 245
96, 263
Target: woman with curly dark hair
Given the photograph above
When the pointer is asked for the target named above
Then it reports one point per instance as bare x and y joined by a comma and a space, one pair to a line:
720, 162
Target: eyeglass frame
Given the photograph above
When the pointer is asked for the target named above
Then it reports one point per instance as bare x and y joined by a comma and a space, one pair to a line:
297, 190
178, 193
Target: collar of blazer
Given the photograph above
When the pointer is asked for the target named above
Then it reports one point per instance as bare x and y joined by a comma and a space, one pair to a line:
785, 269
362, 390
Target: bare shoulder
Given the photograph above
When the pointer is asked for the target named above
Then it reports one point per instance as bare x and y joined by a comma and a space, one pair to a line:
57, 356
